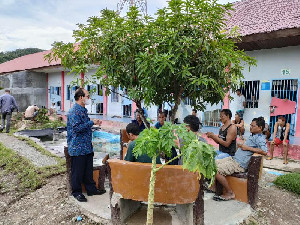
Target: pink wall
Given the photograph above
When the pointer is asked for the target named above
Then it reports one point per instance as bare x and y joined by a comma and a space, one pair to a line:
62, 91
133, 109
104, 102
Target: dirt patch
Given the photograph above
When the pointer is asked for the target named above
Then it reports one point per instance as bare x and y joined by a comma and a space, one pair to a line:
47, 205
275, 206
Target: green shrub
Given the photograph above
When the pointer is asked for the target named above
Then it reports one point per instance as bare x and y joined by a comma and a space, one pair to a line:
290, 182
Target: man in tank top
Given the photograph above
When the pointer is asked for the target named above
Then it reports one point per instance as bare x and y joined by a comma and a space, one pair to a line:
227, 136
280, 136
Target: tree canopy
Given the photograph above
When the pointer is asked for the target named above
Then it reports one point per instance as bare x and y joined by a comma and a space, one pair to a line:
182, 52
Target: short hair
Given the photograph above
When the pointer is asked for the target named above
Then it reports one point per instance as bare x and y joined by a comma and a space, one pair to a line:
79, 93
161, 113
193, 122
282, 118
239, 114
8, 91
238, 90
260, 121
133, 128
194, 110
227, 112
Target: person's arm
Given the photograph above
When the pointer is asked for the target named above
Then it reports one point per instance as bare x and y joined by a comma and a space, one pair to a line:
231, 135
79, 125
129, 155
244, 101
262, 147
275, 131
287, 130
15, 104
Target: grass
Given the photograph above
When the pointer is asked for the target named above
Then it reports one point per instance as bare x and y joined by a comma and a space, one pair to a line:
290, 182
30, 176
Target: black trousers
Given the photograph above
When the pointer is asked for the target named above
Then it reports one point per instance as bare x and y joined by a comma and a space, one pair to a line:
82, 172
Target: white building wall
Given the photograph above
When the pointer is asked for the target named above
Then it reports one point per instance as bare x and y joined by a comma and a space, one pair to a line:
270, 62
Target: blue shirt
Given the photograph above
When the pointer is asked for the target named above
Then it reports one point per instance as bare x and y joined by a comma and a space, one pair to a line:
158, 125
8, 103
79, 132
254, 141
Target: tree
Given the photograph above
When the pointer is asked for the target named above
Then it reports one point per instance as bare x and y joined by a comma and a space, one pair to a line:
183, 52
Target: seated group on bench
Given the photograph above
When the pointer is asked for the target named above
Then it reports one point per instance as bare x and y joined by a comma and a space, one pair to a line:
228, 160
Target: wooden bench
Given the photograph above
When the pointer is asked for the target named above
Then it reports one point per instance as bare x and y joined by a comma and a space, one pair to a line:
245, 185
98, 174
129, 186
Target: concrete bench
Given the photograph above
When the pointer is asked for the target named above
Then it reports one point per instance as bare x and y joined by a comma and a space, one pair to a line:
98, 174
245, 185
129, 186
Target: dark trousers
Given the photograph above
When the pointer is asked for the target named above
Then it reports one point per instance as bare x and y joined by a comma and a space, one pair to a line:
5, 116
82, 172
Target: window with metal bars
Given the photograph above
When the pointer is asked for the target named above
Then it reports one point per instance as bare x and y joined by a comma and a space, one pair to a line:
250, 89
114, 94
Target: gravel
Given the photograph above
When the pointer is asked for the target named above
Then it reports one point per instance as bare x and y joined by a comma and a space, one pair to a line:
27, 151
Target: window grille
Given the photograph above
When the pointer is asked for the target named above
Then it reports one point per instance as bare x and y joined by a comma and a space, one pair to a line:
114, 94
187, 101
99, 90
250, 89
68, 92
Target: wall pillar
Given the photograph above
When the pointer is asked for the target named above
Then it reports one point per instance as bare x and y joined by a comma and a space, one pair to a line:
226, 101
133, 109
297, 132
47, 90
62, 91
104, 102
82, 79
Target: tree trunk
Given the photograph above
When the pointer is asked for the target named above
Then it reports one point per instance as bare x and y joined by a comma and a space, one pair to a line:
151, 193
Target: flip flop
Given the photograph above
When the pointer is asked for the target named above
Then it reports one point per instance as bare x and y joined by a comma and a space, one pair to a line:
269, 158
220, 198
207, 189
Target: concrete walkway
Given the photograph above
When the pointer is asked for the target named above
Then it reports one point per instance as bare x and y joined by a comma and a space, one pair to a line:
216, 213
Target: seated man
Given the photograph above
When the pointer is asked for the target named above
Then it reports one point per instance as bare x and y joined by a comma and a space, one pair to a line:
281, 136
161, 120
138, 121
256, 143
239, 123
133, 132
31, 112
227, 136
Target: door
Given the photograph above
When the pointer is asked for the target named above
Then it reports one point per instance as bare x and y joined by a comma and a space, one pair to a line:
285, 89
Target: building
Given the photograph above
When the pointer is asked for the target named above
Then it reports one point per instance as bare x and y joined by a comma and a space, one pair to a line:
270, 31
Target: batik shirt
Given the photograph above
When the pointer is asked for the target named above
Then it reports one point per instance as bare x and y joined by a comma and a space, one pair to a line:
79, 132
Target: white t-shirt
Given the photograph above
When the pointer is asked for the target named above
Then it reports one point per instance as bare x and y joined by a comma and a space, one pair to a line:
240, 102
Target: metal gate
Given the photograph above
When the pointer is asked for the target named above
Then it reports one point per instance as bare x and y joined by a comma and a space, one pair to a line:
285, 89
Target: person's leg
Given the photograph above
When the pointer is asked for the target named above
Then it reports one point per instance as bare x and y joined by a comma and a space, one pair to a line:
88, 180
228, 191
77, 173
3, 117
285, 153
8, 119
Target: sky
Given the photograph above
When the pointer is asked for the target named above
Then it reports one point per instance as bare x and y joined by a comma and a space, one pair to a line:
39, 23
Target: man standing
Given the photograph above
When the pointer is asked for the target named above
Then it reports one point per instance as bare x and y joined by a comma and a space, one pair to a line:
7, 105
241, 103
80, 148
227, 136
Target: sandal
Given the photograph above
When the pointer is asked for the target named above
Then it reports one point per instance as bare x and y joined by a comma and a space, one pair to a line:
269, 158
220, 198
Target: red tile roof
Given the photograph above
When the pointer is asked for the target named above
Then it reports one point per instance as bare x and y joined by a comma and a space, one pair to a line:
27, 62
264, 16
251, 16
